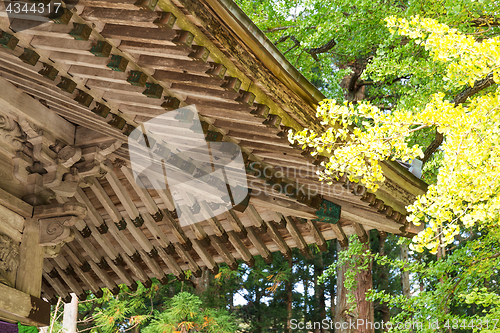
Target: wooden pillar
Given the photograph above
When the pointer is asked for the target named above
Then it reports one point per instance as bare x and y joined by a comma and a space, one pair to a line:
29, 272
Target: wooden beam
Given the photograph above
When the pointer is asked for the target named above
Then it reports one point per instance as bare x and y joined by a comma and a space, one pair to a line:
104, 199
186, 257
223, 252
235, 222
89, 249
205, 256
278, 239
98, 220
11, 224
121, 16
339, 232
60, 289
122, 274
16, 305
318, 236
259, 245
15, 204
139, 34
255, 218
137, 271
241, 248
137, 233
141, 190
175, 228
89, 282
84, 276
212, 220
129, 205
358, 213
284, 206
105, 278
71, 283
360, 231
120, 191
169, 63
171, 263
297, 236
152, 265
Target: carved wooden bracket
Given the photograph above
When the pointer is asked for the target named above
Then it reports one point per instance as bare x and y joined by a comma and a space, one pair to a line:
55, 223
57, 230
93, 158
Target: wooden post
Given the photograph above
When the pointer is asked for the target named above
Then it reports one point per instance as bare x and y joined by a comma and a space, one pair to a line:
70, 315
29, 272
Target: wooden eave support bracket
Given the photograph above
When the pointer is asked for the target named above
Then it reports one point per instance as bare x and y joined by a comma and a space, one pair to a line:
55, 223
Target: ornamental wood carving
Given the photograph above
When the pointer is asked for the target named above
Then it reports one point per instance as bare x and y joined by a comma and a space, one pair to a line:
57, 230
9, 258
11, 135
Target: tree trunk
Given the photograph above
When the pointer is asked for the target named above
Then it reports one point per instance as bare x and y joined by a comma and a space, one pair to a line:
333, 297
70, 315
289, 297
361, 319
384, 279
258, 297
405, 275
202, 282
364, 308
305, 282
333, 280
319, 293
341, 308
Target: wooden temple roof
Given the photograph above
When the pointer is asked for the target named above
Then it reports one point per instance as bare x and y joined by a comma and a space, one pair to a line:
74, 88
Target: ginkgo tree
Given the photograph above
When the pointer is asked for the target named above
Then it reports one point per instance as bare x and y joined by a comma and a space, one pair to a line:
361, 135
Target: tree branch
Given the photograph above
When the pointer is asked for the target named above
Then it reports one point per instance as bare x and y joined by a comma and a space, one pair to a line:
286, 28
469, 91
282, 39
459, 99
486, 21
280, 28
323, 48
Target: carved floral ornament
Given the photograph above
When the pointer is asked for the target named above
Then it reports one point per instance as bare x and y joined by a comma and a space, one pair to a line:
9, 258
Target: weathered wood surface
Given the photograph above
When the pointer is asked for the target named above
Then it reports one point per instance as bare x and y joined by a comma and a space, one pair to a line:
30, 259
17, 306
14, 101
15, 205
